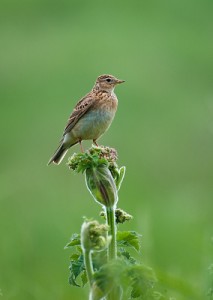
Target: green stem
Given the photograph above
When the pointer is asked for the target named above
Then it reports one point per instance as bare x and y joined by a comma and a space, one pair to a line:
88, 265
115, 293
112, 249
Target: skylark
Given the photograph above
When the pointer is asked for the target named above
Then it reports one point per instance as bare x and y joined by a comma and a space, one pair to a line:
91, 117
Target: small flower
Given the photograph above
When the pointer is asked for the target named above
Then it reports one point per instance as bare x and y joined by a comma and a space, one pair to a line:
94, 236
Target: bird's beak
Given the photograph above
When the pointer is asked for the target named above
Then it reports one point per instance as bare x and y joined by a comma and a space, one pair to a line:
118, 81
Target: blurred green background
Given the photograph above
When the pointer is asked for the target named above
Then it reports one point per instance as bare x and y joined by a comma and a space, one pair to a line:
50, 55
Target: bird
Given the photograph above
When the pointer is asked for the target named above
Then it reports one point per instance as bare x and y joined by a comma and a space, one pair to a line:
90, 118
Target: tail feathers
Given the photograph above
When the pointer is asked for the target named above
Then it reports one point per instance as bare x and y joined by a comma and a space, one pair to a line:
58, 155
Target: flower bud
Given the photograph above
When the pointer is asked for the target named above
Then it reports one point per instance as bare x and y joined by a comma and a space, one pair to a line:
94, 236
120, 216
101, 185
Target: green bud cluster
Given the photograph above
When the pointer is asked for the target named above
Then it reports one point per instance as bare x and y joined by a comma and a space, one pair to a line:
94, 236
120, 216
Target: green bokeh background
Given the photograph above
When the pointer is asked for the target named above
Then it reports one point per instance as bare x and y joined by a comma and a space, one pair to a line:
51, 53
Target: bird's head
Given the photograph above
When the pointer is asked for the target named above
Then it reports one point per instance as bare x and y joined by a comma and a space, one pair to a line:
107, 82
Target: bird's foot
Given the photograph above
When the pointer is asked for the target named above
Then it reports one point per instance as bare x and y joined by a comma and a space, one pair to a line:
96, 144
81, 146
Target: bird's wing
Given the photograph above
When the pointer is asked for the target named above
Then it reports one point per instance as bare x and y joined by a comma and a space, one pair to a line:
80, 109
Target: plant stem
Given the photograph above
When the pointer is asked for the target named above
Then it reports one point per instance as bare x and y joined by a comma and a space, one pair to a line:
112, 250
88, 265
115, 293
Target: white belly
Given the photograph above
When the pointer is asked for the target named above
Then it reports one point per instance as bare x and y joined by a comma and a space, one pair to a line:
92, 125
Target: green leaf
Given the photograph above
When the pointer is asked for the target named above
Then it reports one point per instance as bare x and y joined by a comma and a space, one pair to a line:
120, 179
84, 278
129, 239
72, 281
74, 241
142, 281
74, 256
126, 255
76, 268
109, 275
79, 249
138, 280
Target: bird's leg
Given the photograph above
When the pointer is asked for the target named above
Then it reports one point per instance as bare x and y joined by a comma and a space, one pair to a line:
82, 149
94, 141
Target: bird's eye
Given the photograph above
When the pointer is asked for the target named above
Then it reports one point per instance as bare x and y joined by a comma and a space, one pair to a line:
108, 80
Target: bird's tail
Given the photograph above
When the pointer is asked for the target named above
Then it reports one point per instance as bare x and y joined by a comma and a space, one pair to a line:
58, 155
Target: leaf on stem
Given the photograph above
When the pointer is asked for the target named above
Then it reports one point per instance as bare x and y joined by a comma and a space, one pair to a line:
76, 268
84, 278
142, 280
120, 179
129, 239
109, 275
74, 241
126, 256
136, 280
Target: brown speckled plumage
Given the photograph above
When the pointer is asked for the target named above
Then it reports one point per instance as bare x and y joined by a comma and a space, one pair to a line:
91, 117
